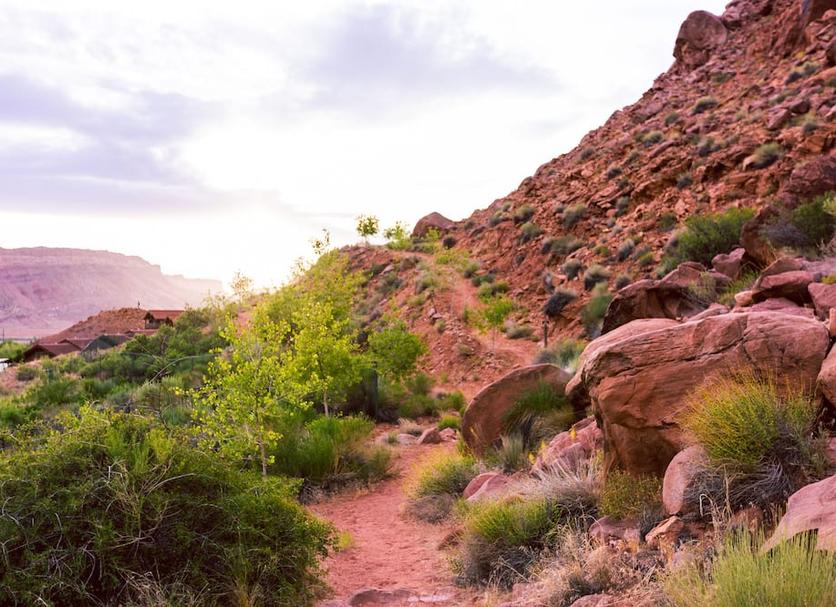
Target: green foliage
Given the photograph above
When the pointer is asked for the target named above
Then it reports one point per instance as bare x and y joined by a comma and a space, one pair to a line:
667, 221
394, 351
514, 330
113, 502
571, 268
329, 447
704, 104
573, 215
564, 245
622, 280
742, 283
450, 421
672, 118
595, 309
594, 275
490, 290
564, 354
397, 237
627, 496
367, 226
529, 231
765, 155
622, 205
523, 213
793, 574
742, 419
496, 311
11, 350
558, 301
708, 235
808, 226
512, 454
652, 138
444, 473
625, 250
538, 415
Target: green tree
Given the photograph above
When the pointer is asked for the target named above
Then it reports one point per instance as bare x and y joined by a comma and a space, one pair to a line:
394, 351
495, 314
367, 226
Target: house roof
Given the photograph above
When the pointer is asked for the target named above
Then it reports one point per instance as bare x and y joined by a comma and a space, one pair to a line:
78, 342
52, 349
163, 314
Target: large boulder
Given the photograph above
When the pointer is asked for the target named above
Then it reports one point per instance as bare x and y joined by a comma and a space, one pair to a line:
730, 264
699, 34
811, 508
788, 285
824, 298
670, 297
826, 381
433, 220
638, 381
484, 419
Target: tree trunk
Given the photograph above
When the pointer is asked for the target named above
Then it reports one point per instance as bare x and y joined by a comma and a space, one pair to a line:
263, 453
325, 402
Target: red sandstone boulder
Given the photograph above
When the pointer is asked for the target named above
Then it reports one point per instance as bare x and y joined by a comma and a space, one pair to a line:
474, 485
665, 534
638, 382
824, 298
484, 419
607, 528
778, 304
485, 486
826, 381
729, 264
433, 220
680, 476
789, 285
699, 34
811, 508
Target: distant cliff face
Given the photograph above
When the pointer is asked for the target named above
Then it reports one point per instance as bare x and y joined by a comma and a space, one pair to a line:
43, 290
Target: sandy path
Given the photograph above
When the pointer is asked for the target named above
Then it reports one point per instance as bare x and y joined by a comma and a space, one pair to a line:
390, 551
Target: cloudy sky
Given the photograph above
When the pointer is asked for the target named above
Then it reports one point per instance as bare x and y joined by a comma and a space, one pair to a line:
214, 137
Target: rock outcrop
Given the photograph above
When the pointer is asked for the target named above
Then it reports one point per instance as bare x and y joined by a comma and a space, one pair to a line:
700, 33
811, 508
484, 418
432, 221
638, 379
570, 447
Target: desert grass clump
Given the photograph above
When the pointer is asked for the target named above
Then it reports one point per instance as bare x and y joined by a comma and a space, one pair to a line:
529, 231
564, 245
575, 488
742, 283
511, 455
625, 496
523, 213
502, 539
444, 473
593, 312
704, 104
765, 155
449, 421
571, 268
793, 574
595, 274
558, 301
622, 280
743, 420
625, 249
622, 205
573, 214
538, 414
652, 138
564, 354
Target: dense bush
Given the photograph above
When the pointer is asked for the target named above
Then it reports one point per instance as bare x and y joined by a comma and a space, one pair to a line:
808, 226
444, 473
113, 503
706, 236
626, 496
793, 574
557, 301
26, 373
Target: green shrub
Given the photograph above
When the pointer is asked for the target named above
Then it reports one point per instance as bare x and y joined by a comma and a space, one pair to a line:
420, 383
622, 280
454, 401
706, 236
667, 221
622, 205
450, 421
625, 250
684, 180
652, 138
564, 353
741, 419
55, 391
627, 496
12, 350
765, 155
557, 301
523, 213
489, 290
571, 268
613, 171
573, 215
497, 218
742, 283
594, 275
672, 118
26, 373
444, 473
704, 104
113, 501
502, 539
537, 415
593, 312
529, 231
511, 455
808, 226
564, 245
793, 574
517, 331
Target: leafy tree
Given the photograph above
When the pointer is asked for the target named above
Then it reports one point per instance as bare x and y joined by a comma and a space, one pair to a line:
395, 351
367, 226
397, 237
495, 314
242, 287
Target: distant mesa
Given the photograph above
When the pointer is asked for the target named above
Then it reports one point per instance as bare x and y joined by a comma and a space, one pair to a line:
43, 290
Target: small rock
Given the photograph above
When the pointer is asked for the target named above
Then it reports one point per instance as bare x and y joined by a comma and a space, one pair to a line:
430, 436
607, 528
474, 485
729, 264
811, 508
680, 477
490, 488
824, 298
744, 299
448, 434
665, 534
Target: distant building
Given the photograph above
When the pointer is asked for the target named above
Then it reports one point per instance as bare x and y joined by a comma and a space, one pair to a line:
40, 350
104, 342
85, 345
154, 319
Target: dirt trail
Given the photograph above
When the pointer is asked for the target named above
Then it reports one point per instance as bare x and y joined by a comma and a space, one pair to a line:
390, 551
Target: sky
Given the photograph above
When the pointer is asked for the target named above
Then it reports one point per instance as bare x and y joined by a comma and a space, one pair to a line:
216, 137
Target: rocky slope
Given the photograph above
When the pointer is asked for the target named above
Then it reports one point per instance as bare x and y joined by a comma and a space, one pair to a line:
43, 290
748, 102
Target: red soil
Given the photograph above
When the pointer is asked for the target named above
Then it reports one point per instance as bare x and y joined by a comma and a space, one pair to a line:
390, 551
